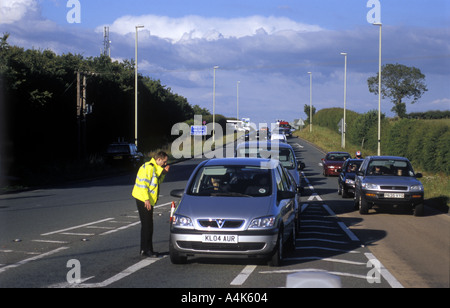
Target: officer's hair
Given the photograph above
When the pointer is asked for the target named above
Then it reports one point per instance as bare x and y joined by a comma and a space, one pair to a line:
161, 155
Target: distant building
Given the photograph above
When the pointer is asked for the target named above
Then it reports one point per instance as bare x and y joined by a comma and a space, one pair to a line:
297, 123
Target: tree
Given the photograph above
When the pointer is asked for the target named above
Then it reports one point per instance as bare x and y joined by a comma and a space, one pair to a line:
306, 109
399, 82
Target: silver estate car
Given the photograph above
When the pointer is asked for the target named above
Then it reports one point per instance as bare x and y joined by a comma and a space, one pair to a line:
388, 180
234, 207
285, 154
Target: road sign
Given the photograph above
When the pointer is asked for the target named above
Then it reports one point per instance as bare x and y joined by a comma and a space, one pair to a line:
197, 130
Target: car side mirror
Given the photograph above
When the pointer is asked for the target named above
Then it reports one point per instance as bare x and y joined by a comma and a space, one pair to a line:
339, 170
177, 193
419, 175
281, 195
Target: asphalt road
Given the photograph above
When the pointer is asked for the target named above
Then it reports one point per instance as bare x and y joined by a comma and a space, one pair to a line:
86, 235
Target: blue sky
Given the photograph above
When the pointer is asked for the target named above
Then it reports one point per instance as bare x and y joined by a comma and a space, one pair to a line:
269, 46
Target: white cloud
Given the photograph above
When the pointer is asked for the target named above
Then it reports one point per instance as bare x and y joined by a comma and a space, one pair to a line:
188, 28
12, 11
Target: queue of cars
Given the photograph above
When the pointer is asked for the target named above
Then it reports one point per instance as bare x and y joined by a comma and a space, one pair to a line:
249, 206
376, 181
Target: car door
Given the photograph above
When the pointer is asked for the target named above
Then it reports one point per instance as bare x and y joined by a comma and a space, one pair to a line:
359, 176
286, 206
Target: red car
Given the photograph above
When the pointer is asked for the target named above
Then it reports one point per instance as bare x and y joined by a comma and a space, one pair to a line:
333, 161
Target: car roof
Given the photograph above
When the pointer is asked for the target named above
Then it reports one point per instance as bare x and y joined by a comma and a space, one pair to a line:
337, 152
241, 162
387, 157
264, 143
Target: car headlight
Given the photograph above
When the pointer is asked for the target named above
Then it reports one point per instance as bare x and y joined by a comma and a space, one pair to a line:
350, 182
416, 188
182, 221
263, 222
370, 186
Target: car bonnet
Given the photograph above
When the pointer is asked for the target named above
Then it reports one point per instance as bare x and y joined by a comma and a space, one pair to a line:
384, 180
247, 208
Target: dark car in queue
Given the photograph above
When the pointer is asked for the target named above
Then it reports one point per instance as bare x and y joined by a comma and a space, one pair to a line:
234, 207
124, 154
388, 181
346, 179
333, 161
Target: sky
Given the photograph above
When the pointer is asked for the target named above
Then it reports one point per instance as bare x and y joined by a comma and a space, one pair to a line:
268, 46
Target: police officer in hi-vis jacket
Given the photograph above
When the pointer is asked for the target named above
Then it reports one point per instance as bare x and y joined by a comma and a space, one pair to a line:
146, 191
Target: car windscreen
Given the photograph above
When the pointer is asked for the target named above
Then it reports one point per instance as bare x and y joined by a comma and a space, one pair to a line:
285, 155
232, 181
390, 167
353, 166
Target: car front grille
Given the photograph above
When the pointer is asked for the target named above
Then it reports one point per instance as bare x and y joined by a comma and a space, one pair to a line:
220, 223
404, 188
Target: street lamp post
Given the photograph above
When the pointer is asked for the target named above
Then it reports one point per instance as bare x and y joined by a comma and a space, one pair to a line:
310, 102
379, 92
345, 100
136, 88
237, 100
214, 105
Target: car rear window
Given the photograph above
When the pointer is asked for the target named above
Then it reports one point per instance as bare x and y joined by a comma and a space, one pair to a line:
232, 181
285, 155
337, 157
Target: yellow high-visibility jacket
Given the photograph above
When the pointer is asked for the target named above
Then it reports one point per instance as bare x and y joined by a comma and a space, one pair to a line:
147, 183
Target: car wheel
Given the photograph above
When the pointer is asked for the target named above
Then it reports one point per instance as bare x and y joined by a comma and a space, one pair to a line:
339, 189
363, 206
419, 210
277, 257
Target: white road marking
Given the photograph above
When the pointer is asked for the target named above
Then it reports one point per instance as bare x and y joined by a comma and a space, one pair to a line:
322, 240
242, 277
326, 259
393, 282
130, 270
76, 227
50, 241
325, 248
312, 270
344, 228
121, 228
3, 269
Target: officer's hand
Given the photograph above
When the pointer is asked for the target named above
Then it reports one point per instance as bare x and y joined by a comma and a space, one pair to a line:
166, 168
148, 205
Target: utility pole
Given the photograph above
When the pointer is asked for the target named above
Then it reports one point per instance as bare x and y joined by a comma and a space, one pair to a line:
81, 124
82, 110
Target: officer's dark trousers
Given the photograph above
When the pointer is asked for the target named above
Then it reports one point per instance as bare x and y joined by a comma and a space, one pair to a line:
146, 217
